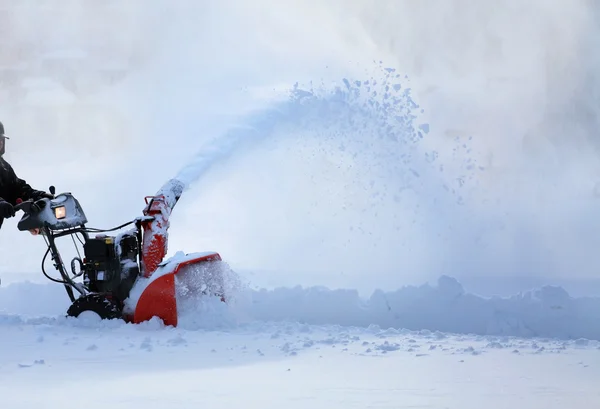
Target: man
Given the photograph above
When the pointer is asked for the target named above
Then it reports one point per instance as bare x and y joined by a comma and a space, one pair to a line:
11, 187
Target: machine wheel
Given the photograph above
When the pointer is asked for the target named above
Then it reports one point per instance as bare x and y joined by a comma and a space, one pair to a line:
105, 308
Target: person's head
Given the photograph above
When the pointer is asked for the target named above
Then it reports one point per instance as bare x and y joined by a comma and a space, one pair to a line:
3, 139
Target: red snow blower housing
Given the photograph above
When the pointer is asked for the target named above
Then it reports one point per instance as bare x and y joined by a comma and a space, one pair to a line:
123, 276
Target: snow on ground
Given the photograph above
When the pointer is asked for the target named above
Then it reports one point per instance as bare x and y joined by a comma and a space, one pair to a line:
545, 312
56, 362
429, 346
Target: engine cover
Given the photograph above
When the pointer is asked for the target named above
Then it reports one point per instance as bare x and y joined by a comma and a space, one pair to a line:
111, 264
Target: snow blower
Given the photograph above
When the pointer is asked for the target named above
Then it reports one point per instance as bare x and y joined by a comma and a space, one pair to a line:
123, 276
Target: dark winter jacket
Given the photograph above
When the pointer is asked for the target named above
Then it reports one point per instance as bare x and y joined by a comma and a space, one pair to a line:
13, 188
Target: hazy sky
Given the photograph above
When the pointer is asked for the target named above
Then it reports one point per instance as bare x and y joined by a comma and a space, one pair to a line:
109, 101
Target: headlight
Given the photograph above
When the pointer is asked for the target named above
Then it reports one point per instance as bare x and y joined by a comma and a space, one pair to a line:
60, 212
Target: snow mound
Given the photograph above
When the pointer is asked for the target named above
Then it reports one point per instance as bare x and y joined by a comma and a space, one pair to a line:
547, 312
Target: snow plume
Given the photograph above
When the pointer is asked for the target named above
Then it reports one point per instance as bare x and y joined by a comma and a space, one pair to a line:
381, 106
349, 155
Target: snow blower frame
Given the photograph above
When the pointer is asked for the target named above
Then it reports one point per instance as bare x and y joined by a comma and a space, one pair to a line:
114, 265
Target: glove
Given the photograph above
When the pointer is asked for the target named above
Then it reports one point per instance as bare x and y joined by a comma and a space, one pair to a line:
6, 209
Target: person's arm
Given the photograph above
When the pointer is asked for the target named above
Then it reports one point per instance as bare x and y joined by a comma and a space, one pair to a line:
23, 190
27, 192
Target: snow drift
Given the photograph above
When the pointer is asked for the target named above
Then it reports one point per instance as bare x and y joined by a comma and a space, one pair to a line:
545, 312
446, 307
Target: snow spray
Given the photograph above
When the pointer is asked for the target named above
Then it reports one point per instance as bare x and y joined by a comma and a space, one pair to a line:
381, 106
374, 122
393, 195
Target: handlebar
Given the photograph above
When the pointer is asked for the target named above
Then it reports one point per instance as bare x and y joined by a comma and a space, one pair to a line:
25, 206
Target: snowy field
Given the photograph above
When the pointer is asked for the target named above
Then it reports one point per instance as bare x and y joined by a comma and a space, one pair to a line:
431, 347
408, 192
271, 365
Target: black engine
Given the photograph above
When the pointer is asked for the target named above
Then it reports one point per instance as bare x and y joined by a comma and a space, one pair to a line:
111, 264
